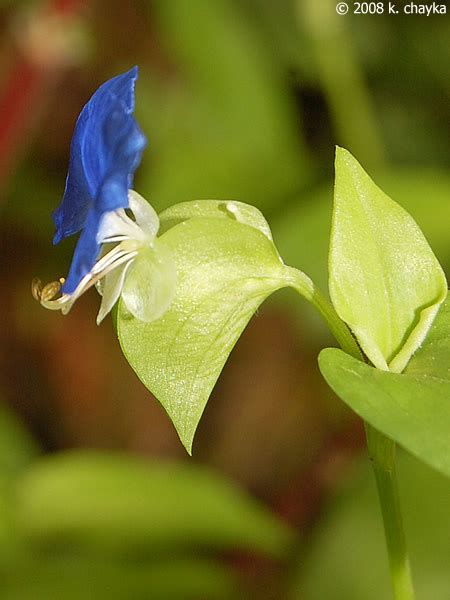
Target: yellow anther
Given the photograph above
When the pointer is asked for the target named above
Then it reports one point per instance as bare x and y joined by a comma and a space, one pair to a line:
36, 288
50, 290
47, 292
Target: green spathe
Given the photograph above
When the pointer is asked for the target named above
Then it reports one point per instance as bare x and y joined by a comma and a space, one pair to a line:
385, 281
225, 270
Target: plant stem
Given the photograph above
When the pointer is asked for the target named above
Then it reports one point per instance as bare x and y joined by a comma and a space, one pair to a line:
382, 454
342, 80
306, 288
337, 326
381, 448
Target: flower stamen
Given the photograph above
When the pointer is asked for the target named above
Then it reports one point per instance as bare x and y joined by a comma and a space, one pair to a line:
47, 292
46, 295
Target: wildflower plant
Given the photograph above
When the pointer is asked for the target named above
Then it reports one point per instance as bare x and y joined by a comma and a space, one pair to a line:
185, 297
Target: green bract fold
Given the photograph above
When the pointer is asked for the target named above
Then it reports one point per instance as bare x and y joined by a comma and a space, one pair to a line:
412, 408
385, 281
221, 209
225, 269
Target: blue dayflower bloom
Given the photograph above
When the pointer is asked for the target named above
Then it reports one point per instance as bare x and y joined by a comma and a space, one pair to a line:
117, 251
106, 149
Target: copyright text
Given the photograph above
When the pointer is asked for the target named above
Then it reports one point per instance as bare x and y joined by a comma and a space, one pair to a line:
391, 8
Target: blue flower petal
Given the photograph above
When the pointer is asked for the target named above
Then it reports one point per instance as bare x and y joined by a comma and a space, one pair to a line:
105, 151
86, 252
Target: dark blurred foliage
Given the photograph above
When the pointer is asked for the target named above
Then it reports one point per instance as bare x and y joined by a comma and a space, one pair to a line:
241, 99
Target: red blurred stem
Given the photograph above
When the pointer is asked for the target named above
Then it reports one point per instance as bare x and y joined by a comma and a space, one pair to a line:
23, 94
66, 7
17, 110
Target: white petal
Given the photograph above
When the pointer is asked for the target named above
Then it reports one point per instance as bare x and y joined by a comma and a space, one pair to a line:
111, 289
117, 226
144, 213
150, 284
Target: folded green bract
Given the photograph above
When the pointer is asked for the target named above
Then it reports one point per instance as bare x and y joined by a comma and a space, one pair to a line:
385, 281
225, 270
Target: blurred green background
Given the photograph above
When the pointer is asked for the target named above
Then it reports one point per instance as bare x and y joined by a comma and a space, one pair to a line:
245, 100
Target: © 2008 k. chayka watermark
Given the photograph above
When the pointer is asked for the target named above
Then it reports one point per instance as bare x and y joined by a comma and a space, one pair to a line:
391, 8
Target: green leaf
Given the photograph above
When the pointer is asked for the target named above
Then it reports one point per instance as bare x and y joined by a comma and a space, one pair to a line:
17, 447
17, 451
117, 505
385, 281
412, 408
225, 270
433, 357
87, 579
